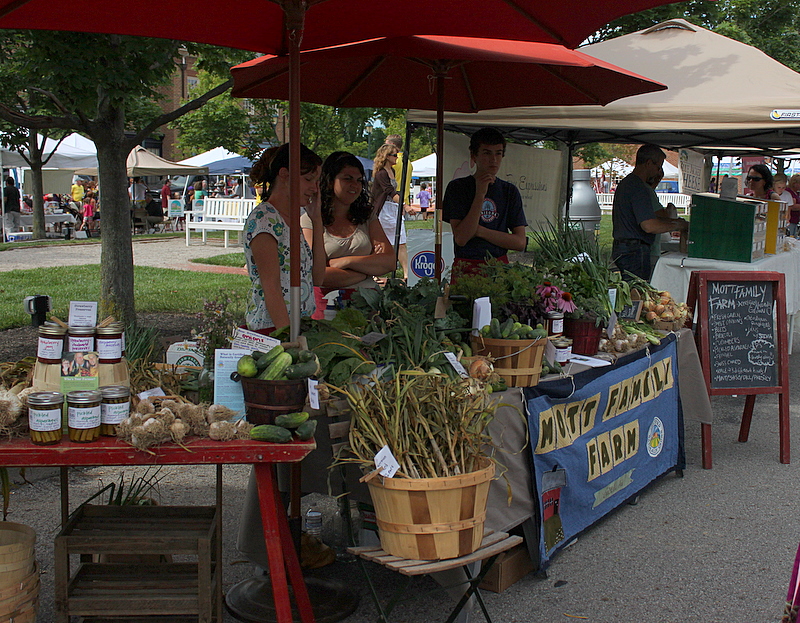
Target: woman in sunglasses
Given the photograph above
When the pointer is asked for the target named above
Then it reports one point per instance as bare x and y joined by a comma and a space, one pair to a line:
759, 181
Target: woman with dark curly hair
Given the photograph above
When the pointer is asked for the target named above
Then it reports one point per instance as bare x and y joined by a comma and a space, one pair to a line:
355, 244
759, 181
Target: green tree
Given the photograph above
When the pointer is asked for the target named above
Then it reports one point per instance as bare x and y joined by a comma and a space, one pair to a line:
93, 80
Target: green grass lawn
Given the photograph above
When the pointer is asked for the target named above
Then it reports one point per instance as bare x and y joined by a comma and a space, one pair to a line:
156, 289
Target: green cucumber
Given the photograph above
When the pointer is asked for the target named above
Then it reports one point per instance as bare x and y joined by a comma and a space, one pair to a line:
291, 420
306, 430
302, 370
275, 370
506, 328
494, 329
295, 353
267, 358
271, 433
305, 356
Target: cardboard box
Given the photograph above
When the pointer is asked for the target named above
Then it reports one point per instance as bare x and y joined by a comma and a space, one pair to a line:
185, 354
507, 569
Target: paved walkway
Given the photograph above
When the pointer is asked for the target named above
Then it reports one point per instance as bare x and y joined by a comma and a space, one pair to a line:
157, 252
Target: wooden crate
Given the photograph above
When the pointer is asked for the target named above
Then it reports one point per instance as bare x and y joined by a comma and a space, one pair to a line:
170, 590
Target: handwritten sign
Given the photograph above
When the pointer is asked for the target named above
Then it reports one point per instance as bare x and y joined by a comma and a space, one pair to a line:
742, 331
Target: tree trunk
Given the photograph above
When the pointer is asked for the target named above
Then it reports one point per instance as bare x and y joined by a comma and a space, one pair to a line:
116, 258
37, 185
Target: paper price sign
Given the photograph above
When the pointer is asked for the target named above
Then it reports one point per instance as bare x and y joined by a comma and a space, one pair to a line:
451, 357
313, 394
386, 463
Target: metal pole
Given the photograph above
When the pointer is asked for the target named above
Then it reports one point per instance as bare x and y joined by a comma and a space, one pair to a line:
294, 37
437, 213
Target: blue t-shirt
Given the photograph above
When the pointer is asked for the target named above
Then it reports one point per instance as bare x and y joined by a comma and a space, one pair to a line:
632, 205
501, 211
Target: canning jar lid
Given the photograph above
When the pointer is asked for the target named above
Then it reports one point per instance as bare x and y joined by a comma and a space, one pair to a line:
115, 391
115, 328
81, 330
84, 397
44, 399
52, 329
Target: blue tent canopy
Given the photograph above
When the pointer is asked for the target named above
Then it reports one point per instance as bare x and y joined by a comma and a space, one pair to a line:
229, 166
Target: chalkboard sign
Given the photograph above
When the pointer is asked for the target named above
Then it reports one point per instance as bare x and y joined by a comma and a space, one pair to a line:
741, 331
741, 335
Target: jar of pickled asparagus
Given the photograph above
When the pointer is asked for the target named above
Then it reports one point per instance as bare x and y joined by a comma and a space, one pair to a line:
114, 407
83, 415
44, 417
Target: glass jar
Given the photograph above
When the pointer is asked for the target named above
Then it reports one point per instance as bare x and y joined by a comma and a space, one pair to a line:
44, 417
563, 347
80, 339
114, 407
109, 343
51, 344
83, 415
555, 323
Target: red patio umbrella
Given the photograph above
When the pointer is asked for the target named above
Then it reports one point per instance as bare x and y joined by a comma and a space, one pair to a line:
442, 73
283, 26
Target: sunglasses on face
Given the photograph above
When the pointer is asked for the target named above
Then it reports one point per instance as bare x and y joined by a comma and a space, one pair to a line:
751, 178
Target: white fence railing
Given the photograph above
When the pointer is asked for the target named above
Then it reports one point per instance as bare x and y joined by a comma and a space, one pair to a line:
680, 201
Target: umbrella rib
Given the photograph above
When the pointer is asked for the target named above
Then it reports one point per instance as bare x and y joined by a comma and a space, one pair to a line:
532, 19
568, 82
468, 87
340, 101
12, 6
264, 79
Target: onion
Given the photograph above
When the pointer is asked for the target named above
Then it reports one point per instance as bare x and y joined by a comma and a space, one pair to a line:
480, 369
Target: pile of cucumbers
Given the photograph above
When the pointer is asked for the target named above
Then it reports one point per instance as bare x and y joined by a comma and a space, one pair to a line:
287, 426
512, 330
279, 364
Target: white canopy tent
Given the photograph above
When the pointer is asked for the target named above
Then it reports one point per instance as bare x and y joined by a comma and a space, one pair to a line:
207, 157
425, 167
721, 93
142, 162
73, 152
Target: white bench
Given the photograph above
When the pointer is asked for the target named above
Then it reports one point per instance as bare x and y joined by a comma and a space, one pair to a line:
680, 201
218, 214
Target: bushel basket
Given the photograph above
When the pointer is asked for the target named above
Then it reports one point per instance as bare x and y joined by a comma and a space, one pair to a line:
432, 518
519, 362
263, 400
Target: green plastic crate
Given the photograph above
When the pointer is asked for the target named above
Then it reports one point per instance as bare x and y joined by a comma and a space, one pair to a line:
725, 229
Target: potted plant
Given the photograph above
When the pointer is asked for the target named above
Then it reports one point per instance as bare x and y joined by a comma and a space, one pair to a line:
435, 428
585, 269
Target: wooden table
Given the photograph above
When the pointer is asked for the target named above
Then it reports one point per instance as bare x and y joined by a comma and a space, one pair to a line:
263, 456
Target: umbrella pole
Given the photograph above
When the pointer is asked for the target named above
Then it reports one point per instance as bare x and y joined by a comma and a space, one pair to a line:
294, 36
437, 220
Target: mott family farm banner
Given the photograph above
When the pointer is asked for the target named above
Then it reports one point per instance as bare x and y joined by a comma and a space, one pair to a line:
600, 437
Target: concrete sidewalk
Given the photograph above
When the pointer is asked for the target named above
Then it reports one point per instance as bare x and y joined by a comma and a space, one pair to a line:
157, 252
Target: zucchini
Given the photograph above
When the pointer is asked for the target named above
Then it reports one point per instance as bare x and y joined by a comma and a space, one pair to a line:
291, 420
275, 370
267, 358
271, 433
494, 329
306, 430
302, 370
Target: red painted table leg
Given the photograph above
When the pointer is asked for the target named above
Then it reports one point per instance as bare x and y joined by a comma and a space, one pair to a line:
280, 550
705, 443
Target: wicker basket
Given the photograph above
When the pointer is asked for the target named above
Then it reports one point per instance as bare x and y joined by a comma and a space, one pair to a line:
16, 552
519, 362
432, 518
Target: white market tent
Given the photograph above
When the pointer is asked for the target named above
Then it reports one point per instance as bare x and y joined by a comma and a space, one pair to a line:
425, 167
721, 93
207, 157
73, 152
142, 162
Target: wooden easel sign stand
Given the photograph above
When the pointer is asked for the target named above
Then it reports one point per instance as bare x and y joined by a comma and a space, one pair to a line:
742, 340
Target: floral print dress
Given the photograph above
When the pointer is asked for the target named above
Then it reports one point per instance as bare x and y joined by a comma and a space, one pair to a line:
265, 219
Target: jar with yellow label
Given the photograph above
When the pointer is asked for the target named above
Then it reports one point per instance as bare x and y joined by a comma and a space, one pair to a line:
114, 407
83, 415
44, 417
